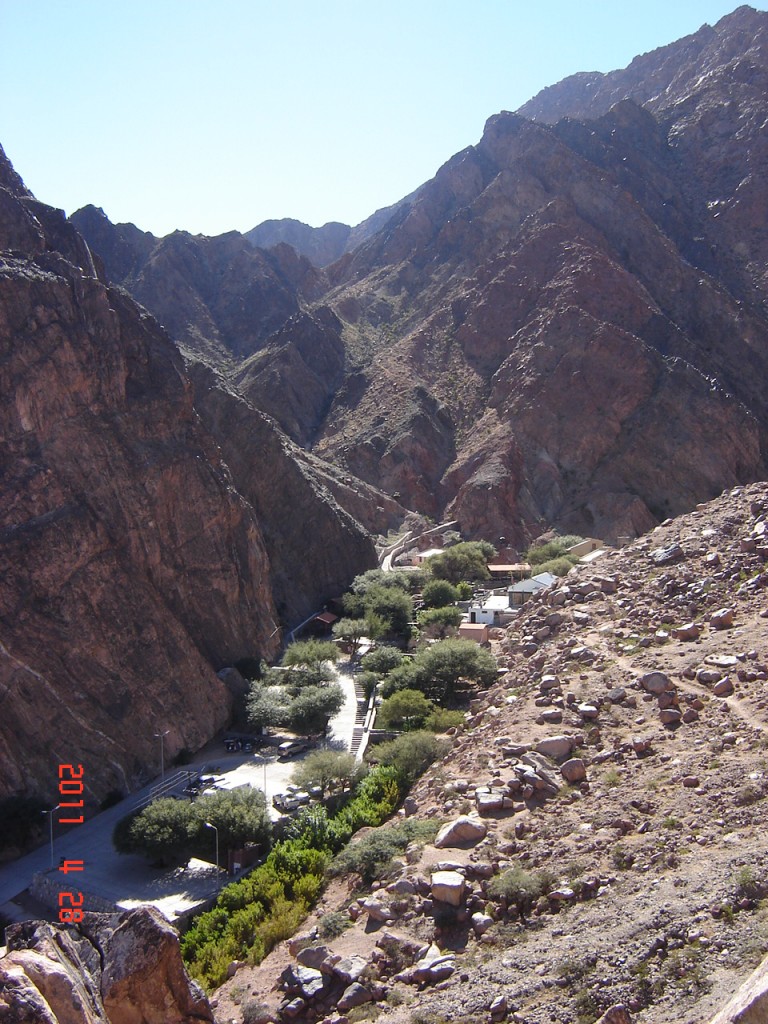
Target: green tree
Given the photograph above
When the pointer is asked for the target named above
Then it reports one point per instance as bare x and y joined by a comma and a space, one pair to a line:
439, 622
265, 706
351, 631
465, 561
393, 605
438, 593
375, 625
329, 769
165, 831
439, 667
406, 709
404, 676
298, 677
240, 815
310, 652
410, 754
382, 660
313, 707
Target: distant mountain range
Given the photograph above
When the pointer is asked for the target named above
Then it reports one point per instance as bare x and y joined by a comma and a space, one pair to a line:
565, 327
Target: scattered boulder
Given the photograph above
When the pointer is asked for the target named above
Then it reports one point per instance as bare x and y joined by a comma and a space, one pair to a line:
448, 887
463, 831
574, 770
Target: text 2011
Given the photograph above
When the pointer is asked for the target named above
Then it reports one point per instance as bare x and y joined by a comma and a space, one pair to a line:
71, 785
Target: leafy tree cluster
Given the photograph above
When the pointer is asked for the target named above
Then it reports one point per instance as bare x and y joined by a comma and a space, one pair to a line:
438, 623
383, 600
554, 556
410, 754
465, 561
300, 694
436, 670
171, 831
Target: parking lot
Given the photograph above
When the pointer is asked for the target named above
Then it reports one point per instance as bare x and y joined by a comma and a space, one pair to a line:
125, 880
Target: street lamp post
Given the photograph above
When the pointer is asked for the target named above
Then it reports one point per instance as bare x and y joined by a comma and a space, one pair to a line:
50, 819
161, 736
209, 825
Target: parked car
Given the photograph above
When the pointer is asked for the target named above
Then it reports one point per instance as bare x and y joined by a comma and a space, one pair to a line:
290, 748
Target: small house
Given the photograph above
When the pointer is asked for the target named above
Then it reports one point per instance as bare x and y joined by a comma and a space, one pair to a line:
419, 557
520, 592
477, 631
494, 611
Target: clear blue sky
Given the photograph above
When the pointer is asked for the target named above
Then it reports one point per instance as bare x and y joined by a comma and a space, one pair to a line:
210, 116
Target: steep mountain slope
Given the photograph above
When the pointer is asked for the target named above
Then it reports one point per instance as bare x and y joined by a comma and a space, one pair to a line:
565, 326
131, 568
620, 764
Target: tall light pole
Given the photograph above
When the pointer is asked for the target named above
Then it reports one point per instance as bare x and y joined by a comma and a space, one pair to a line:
50, 819
209, 825
161, 736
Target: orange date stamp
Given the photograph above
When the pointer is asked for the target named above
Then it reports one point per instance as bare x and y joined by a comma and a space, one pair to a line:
71, 786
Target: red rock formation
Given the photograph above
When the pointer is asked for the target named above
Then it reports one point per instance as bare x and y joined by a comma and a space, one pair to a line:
111, 969
131, 569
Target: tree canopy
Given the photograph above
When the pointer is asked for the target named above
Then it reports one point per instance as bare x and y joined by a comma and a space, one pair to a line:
329, 769
437, 669
465, 561
170, 831
406, 709
313, 707
438, 593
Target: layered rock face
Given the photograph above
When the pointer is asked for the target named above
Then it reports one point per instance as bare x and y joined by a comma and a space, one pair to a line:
111, 969
132, 569
318, 547
565, 326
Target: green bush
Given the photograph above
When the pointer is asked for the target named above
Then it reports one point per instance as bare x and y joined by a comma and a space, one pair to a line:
439, 593
441, 720
520, 887
410, 754
371, 857
465, 561
382, 660
439, 622
405, 709
557, 566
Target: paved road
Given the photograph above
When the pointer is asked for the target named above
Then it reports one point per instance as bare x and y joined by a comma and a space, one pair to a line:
129, 880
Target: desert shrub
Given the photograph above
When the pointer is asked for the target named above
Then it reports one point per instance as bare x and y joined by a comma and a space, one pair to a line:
255, 1012
410, 754
520, 887
333, 924
557, 566
372, 856
441, 719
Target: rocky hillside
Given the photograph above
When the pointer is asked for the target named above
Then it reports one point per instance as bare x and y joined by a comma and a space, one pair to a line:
133, 568
565, 326
620, 763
